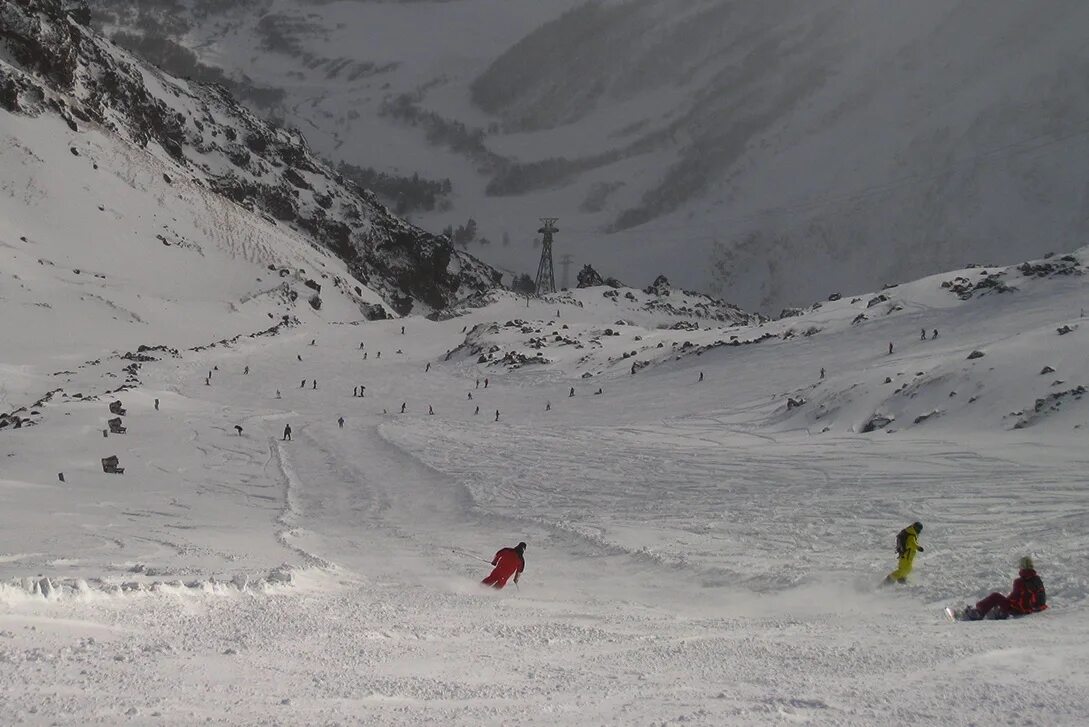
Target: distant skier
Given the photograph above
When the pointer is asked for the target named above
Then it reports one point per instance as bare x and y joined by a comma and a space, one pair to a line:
364, 355
633, 368
907, 544
298, 356
403, 405
303, 384
508, 562
355, 391
571, 394
278, 394
1028, 596
315, 386
313, 341
238, 429
485, 382
701, 376
156, 405
922, 336
470, 396
379, 355
935, 333
890, 348
360, 345
548, 406
497, 415
428, 367
477, 410
340, 422
287, 432
362, 388
246, 372
478, 383
430, 411
208, 382
402, 330
822, 373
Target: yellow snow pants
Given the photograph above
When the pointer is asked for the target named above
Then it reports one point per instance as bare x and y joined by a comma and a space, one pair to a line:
903, 568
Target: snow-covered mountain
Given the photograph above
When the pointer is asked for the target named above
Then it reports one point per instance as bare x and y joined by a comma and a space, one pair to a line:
770, 152
165, 138
237, 488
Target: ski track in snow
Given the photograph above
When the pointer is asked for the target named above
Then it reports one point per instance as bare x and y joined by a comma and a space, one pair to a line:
689, 562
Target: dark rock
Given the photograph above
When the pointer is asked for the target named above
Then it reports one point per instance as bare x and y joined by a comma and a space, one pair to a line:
975, 354
589, 278
929, 415
877, 421
659, 287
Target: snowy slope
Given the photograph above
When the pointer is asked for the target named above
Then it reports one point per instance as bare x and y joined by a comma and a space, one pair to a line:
745, 148
201, 137
698, 552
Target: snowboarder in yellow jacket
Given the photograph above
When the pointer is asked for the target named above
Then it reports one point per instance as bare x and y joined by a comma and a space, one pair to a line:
907, 544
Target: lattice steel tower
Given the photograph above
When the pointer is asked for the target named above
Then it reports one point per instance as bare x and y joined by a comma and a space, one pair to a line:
546, 275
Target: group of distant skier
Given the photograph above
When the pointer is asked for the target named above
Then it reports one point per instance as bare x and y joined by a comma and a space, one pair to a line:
1027, 596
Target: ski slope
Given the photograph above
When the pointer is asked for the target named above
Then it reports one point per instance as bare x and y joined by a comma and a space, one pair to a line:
698, 552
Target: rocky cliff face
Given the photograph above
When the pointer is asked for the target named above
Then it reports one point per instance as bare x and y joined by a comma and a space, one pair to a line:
51, 63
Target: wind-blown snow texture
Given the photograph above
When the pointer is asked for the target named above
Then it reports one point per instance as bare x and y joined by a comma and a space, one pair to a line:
771, 152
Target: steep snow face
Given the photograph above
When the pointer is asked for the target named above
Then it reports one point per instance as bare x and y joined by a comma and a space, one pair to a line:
769, 152
201, 137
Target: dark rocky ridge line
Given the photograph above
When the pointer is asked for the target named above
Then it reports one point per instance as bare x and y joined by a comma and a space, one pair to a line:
64, 68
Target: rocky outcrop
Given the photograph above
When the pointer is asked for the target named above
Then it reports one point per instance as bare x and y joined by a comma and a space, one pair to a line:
56, 65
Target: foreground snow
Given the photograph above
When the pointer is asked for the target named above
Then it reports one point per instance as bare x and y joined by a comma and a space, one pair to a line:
697, 553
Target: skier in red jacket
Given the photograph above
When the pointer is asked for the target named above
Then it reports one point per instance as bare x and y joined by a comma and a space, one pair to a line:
1028, 596
508, 562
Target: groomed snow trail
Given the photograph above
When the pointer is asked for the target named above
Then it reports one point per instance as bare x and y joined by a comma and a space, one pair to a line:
687, 563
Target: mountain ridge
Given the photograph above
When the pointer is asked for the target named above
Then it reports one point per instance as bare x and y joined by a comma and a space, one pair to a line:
64, 68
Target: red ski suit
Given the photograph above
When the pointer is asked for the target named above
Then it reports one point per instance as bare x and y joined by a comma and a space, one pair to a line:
507, 562
1027, 597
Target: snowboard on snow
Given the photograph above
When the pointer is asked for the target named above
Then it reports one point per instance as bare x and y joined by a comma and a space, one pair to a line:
960, 614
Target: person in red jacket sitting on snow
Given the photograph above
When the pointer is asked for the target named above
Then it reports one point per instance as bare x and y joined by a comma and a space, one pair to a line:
508, 562
1028, 596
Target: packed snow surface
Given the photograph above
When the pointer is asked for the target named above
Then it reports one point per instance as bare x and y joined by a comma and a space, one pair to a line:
699, 552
